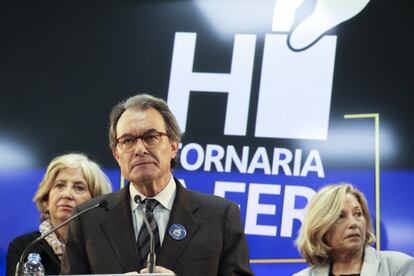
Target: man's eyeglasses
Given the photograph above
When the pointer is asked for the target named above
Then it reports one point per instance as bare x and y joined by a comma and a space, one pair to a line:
150, 140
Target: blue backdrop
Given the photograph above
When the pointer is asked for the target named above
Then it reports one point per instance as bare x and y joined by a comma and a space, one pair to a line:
262, 97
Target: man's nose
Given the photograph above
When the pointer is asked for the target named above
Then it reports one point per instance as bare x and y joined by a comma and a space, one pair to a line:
140, 147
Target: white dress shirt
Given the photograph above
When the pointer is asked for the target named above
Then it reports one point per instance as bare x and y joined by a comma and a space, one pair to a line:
161, 212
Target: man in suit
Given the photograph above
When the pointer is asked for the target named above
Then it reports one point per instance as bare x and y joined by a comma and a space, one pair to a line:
194, 233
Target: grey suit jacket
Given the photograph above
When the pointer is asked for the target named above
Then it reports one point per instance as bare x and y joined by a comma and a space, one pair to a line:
376, 263
102, 241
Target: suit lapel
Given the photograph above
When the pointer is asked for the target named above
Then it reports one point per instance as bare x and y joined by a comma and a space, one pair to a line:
119, 230
183, 211
371, 262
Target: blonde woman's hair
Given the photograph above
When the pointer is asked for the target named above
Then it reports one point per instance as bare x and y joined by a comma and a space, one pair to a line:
320, 214
98, 183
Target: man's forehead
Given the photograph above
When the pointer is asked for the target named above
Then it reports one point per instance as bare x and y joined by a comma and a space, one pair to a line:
140, 121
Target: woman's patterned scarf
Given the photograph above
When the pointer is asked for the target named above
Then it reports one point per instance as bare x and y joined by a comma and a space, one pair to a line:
58, 245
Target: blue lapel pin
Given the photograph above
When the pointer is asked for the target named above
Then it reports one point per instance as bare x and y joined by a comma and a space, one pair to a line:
177, 232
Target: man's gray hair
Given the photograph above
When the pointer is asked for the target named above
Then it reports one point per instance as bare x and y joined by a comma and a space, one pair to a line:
144, 102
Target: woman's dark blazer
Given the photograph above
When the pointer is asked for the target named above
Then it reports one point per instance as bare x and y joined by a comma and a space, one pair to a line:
49, 260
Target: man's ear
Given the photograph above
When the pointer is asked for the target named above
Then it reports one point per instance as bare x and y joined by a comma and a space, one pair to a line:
174, 149
115, 154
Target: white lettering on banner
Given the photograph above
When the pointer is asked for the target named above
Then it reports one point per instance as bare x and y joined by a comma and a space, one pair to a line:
293, 102
289, 211
316, 167
281, 158
254, 208
221, 187
214, 154
193, 156
259, 161
297, 161
185, 152
295, 89
236, 84
233, 158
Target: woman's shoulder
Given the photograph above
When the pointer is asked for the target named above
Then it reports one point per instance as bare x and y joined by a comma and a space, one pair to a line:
25, 238
394, 261
394, 254
322, 270
17, 246
303, 272
397, 259
385, 255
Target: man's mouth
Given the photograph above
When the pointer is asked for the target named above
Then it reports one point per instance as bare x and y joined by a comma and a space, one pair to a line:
141, 163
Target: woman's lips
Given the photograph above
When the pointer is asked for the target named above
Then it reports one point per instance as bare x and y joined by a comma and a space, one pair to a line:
66, 207
356, 235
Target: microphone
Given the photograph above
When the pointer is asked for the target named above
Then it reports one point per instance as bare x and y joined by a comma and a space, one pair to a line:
151, 255
102, 204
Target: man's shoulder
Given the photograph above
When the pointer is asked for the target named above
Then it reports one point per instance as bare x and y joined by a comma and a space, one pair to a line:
208, 199
110, 199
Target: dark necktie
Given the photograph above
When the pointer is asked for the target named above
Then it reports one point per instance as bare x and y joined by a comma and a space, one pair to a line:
143, 241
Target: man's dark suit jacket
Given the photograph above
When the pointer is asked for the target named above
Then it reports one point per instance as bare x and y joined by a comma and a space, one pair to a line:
49, 260
102, 241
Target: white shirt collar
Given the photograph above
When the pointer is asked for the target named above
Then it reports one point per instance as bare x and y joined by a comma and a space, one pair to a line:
165, 197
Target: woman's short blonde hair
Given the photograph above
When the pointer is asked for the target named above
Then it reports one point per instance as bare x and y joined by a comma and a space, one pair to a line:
320, 214
98, 183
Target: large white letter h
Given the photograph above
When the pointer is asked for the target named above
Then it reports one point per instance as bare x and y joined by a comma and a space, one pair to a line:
236, 84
